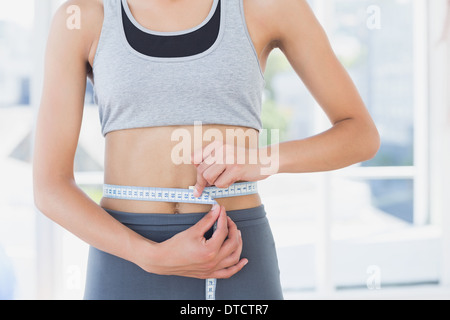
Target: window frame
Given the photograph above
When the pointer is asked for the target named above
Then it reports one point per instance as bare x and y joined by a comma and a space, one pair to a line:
418, 172
427, 154
439, 88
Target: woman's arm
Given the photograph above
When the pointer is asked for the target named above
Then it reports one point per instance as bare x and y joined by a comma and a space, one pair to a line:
57, 195
57, 130
353, 137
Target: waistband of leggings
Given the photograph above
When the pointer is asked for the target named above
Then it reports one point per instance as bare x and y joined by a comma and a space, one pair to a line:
162, 219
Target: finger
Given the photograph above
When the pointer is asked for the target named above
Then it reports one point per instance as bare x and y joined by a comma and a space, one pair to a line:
213, 172
207, 175
233, 243
200, 185
208, 160
229, 272
226, 178
201, 182
203, 166
221, 232
232, 259
229, 261
207, 222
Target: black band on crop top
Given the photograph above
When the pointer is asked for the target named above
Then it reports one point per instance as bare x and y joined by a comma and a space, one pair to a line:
172, 46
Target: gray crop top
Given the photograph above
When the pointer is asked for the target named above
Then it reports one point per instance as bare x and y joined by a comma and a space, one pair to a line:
209, 73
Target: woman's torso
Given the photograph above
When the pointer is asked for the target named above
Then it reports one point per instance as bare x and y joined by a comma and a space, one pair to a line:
144, 156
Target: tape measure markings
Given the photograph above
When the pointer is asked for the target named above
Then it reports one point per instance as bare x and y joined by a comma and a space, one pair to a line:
177, 195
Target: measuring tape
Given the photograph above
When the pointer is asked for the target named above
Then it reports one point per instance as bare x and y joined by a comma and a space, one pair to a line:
178, 195
185, 196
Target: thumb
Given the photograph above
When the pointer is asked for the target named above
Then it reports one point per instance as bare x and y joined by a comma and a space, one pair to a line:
207, 222
199, 185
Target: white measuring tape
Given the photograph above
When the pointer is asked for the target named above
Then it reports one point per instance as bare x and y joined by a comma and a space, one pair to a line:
178, 195
185, 196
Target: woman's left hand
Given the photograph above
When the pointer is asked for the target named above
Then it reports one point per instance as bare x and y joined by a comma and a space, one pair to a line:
221, 165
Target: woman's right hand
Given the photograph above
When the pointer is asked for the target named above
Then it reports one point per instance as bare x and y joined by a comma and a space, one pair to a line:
190, 254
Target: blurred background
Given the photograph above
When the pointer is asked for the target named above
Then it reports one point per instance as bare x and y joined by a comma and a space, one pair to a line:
376, 230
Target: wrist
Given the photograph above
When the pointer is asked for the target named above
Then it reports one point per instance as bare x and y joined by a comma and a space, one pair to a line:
144, 253
268, 160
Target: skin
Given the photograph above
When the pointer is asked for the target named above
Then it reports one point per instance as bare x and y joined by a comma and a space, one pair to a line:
286, 24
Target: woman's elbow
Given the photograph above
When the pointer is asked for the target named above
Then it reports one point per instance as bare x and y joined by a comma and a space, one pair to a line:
371, 143
45, 190
40, 195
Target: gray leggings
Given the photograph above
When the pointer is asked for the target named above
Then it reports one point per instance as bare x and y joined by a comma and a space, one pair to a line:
112, 278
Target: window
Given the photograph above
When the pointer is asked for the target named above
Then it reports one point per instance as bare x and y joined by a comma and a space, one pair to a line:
17, 233
374, 225
370, 225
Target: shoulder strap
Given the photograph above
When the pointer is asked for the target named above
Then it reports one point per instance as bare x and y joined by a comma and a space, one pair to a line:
110, 13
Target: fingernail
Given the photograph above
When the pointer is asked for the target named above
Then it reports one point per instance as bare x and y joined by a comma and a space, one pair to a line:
215, 207
196, 193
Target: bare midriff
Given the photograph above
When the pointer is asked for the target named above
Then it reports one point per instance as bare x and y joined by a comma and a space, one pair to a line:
144, 157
